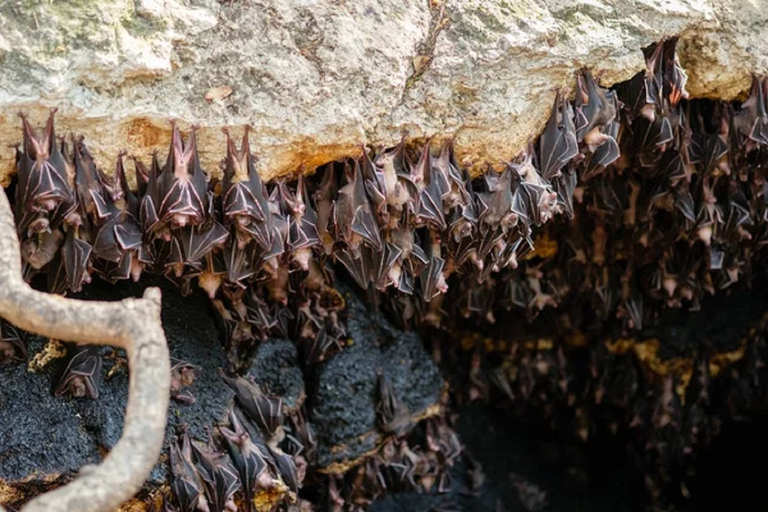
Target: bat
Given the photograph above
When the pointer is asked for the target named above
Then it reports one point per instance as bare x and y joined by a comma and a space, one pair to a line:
455, 193
182, 184
558, 144
42, 172
13, 344
324, 203
76, 254
432, 279
603, 155
353, 214
498, 202
265, 410
286, 467
431, 207
182, 376
321, 347
82, 375
244, 199
219, 477
199, 240
394, 417
186, 483
246, 458
595, 110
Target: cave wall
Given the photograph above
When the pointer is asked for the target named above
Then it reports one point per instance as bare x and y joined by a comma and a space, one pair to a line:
315, 78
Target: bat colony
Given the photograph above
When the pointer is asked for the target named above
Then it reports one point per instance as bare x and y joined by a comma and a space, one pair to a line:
657, 200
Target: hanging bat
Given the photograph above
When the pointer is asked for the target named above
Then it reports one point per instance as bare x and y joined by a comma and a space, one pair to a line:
42, 173
182, 184
394, 417
431, 207
182, 376
247, 459
384, 271
674, 75
198, 241
432, 279
324, 202
76, 254
376, 188
265, 410
603, 155
558, 144
564, 186
219, 477
13, 345
286, 467
398, 187
353, 213
82, 375
359, 267
186, 483
595, 110
40, 249
751, 121
244, 199
322, 347
455, 193
302, 231
498, 202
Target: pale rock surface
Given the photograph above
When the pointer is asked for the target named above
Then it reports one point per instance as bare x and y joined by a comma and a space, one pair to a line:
316, 78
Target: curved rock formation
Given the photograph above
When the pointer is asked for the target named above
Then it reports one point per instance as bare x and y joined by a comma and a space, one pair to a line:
316, 79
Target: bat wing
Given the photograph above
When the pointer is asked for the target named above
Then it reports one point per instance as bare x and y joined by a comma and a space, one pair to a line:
76, 254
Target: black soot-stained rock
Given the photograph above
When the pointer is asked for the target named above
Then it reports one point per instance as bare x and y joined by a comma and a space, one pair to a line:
275, 366
343, 399
44, 438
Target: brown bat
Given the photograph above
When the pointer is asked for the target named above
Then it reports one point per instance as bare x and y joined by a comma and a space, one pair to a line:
182, 184
265, 410
394, 417
247, 459
219, 477
353, 213
13, 346
182, 376
596, 109
558, 144
42, 172
244, 197
286, 467
186, 483
82, 375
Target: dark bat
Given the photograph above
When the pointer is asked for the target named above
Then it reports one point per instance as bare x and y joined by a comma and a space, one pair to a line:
186, 483
198, 241
558, 144
603, 155
445, 164
375, 187
244, 199
564, 186
40, 249
302, 232
751, 121
247, 459
384, 271
674, 75
394, 417
499, 206
238, 262
82, 375
76, 254
182, 376
42, 172
322, 347
432, 279
13, 344
431, 207
286, 467
359, 266
324, 201
182, 184
219, 477
265, 410
595, 110
353, 213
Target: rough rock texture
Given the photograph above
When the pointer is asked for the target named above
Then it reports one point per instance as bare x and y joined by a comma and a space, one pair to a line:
315, 78
343, 399
43, 438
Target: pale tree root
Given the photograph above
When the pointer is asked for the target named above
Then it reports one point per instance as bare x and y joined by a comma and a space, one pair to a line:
133, 324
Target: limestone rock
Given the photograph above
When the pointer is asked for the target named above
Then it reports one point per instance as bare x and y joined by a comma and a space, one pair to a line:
316, 78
